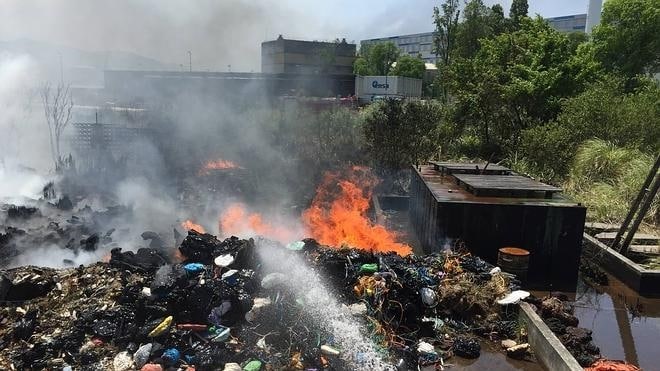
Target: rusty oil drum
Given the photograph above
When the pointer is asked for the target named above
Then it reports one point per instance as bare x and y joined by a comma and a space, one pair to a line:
514, 260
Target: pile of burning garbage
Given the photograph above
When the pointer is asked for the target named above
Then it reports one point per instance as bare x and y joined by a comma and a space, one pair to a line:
256, 304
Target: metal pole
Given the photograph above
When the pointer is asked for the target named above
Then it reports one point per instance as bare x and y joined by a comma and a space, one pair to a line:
387, 70
635, 204
640, 216
190, 61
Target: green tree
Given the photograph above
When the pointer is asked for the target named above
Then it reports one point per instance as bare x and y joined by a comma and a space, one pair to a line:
516, 81
446, 23
497, 20
518, 11
398, 134
409, 66
376, 59
476, 25
627, 40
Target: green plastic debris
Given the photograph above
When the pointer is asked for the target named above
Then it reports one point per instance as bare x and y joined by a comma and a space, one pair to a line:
369, 268
252, 366
296, 246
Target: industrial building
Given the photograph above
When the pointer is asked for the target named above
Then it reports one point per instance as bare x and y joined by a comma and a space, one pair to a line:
370, 88
569, 23
414, 45
169, 86
307, 57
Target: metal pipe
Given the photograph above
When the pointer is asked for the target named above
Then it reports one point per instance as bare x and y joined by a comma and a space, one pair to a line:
640, 216
635, 204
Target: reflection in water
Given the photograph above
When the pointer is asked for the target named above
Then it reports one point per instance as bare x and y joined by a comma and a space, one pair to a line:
624, 324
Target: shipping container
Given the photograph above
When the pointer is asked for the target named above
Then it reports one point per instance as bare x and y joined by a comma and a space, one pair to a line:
372, 88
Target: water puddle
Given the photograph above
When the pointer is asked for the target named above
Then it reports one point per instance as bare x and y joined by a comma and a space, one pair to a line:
625, 325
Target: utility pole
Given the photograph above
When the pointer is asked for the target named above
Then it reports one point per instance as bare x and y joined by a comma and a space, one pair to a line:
190, 61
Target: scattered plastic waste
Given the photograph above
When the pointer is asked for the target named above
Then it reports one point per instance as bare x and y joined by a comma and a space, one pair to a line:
252, 366
192, 327
162, 327
369, 268
122, 361
141, 356
152, 367
232, 367
221, 335
350, 309
224, 260
611, 365
259, 304
513, 297
508, 343
429, 297
171, 355
518, 351
328, 350
193, 268
425, 348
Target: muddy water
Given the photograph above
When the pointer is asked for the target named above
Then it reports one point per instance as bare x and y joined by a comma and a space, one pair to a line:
625, 325
492, 359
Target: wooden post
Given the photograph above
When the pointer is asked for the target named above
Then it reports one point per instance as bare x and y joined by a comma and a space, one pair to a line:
635, 204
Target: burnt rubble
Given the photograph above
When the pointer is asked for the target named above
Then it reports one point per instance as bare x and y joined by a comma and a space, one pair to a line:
56, 225
557, 313
218, 305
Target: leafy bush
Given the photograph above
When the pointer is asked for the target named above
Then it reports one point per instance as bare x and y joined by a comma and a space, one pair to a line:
603, 112
607, 178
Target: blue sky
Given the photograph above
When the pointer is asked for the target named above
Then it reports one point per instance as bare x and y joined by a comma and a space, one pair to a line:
369, 19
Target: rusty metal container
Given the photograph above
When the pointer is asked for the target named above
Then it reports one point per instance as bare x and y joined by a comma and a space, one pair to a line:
514, 260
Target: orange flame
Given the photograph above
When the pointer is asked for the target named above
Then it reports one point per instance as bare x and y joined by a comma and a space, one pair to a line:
338, 215
219, 164
188, 225
237, 221
177, 256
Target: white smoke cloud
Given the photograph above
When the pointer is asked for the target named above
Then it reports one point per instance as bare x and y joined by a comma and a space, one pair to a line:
23, 138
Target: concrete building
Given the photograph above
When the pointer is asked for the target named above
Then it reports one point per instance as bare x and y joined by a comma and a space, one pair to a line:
594, 11
414, 45
173, 87
569, 23
307, 57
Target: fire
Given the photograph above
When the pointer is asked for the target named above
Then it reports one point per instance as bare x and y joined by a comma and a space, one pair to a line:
219, 164
338, 215
177, 256
236, 220
189, 224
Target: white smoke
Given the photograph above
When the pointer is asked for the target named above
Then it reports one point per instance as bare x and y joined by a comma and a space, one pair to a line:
23, 138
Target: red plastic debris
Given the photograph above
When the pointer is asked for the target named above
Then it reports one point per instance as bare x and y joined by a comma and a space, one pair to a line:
611, 365
192, 327
152, 367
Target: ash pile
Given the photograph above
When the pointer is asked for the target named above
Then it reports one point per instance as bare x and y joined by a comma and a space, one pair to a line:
245, 305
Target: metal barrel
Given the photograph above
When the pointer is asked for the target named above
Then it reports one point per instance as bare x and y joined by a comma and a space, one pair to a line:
514, 260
